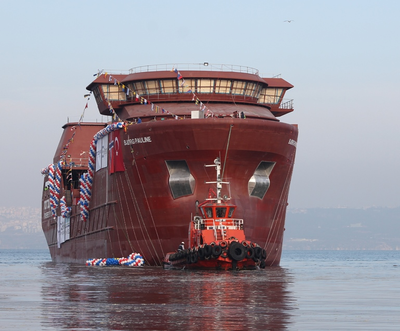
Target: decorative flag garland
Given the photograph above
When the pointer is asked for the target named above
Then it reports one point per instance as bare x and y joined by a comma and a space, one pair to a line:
155, 107
86, 180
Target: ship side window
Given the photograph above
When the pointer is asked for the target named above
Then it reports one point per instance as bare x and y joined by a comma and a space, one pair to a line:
209, 212
113, 92
270, 95
205, 85
257, 91
97, 95
168, 85
181, 181
259, 183
189, 84
250, 88
139, 88
223, 86
231, 210
238, 87
152, 86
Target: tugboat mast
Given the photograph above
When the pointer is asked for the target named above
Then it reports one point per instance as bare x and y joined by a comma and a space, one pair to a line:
219, 182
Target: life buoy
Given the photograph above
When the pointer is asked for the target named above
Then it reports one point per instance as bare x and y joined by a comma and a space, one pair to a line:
237, 251
250, 252
216, 250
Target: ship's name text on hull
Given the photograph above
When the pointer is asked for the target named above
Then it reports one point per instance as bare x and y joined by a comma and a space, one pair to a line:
140, 140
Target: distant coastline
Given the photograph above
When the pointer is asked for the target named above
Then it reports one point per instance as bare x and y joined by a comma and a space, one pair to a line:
374, 228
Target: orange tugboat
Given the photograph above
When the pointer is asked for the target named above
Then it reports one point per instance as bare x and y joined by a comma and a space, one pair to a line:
217, 239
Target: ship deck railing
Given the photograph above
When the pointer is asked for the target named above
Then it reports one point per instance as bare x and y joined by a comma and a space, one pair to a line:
195, 66
286, 104
76, 163
218, 224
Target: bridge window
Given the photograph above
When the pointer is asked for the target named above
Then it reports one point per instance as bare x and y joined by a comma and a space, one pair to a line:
139, 88
270, 95
113, 92
189, 84
223, 86
168, 86
205, 85
238, 87
152, 86
249, 90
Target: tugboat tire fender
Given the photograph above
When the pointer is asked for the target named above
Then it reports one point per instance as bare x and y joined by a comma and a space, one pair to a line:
250, 252
201, 253
257, 252
216, 250
264, 254
223, 244
193, 258
207, 250
237, 251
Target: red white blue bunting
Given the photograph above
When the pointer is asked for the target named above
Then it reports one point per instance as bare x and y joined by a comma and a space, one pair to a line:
133, 260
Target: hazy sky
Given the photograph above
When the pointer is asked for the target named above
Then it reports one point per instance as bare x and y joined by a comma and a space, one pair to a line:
343, 58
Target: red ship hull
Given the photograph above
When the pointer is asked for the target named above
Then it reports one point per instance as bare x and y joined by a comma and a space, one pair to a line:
134, 211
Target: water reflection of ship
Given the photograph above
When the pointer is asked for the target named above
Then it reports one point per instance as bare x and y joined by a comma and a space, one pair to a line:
77, 297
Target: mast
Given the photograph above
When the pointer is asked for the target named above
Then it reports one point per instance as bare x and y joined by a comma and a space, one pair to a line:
219, 182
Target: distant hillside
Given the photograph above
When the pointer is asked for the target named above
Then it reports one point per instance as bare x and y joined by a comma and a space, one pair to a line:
313, 229
20, 228
343, 228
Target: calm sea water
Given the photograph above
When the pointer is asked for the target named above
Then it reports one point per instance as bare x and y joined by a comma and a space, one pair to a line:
312, 290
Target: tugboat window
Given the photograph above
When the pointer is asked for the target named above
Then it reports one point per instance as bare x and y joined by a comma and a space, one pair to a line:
209, 212
221, 212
